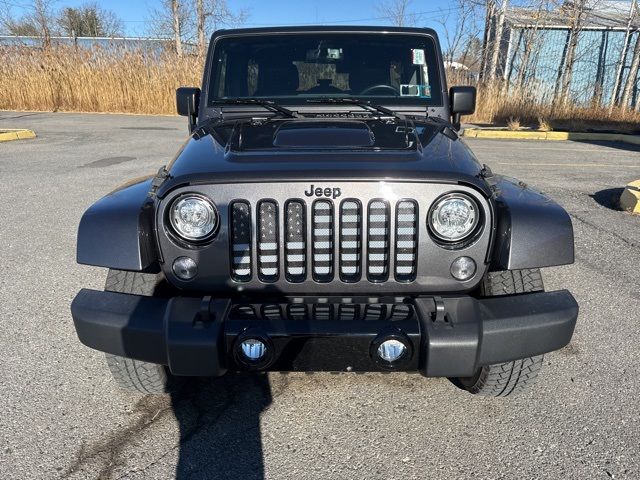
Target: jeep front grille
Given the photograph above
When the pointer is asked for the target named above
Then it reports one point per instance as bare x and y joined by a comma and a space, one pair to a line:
310, 241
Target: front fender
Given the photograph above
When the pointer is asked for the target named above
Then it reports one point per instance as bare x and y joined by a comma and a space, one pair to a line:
118, 230
532, 230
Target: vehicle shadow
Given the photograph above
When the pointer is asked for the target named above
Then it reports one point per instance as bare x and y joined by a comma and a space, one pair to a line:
219, 421
609, 198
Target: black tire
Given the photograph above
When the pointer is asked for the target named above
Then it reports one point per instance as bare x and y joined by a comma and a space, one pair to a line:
510, 378
136, 283
511, 282
130, 374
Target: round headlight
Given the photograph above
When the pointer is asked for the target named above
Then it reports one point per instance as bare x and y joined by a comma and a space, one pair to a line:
454, 217
193, 217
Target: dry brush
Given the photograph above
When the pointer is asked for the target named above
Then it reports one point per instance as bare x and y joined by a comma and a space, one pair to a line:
107, 79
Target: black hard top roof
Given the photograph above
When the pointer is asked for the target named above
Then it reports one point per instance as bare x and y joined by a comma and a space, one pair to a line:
325, 28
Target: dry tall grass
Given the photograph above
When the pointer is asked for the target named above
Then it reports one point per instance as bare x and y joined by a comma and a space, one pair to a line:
109, 80
497, 107
97, 80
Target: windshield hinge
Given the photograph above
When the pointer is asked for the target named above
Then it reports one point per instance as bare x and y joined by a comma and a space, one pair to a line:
158, 180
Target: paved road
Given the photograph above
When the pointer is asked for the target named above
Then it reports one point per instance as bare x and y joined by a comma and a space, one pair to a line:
62, 417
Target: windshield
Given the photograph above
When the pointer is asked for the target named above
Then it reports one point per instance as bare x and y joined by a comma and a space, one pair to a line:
293, 68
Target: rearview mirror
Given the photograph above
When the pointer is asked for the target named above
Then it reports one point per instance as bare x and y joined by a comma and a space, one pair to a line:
187, 101
462, 101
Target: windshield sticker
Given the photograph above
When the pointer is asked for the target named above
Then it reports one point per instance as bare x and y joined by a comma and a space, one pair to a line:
417, 54
409, 90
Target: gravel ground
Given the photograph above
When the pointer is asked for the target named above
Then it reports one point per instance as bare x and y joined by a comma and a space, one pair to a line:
62, 417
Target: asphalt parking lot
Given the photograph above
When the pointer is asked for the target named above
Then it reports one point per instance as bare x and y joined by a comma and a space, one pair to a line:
62, 417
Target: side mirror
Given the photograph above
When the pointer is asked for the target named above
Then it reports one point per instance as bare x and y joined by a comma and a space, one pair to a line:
462, 102
187, 101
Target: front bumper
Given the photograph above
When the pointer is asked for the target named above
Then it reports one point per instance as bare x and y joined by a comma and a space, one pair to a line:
446, 336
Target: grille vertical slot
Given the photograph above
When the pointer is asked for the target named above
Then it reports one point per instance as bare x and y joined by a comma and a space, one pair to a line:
378, 241
241, 241
322, 234
406, 251
348, 311
350, 240
297, 311
375, 311
271, 312
295, 241
323, 311
268, 241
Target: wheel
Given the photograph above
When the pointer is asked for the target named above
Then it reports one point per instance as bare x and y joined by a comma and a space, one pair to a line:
129, 374
510, 378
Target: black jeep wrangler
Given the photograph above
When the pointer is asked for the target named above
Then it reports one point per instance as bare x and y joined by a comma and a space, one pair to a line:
324, 216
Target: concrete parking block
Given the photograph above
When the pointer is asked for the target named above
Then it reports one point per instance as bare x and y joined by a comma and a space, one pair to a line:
16, 134
630, 198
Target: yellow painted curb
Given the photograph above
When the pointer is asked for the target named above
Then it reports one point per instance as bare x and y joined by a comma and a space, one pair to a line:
8, 135
537, 135
630, 198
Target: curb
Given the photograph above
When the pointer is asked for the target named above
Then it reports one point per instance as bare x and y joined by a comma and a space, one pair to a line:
21, 134
557, 136
630, 198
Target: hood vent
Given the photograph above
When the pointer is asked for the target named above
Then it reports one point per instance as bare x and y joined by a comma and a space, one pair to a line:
324, 134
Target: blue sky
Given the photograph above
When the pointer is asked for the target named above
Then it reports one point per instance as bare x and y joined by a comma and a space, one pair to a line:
135, 13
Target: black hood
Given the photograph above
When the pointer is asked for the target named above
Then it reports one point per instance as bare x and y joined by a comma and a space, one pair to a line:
323, 149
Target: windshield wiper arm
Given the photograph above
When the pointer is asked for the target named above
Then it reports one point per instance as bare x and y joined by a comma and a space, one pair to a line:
268, 104
372, 107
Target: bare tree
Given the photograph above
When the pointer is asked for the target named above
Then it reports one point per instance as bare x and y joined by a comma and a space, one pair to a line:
457, 38
398, 12
211, 15
177, 33
497, 40
531, 44
617, 84
43, 16
37, 21
201, 20
632, 78
89, 20
576, 12
171, 20
490, 9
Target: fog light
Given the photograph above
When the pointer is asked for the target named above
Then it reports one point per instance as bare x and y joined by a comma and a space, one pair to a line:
253, 349
463, 268
185, 268
391, 350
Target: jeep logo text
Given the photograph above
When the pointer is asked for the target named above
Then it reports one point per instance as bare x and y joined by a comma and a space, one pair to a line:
331, 192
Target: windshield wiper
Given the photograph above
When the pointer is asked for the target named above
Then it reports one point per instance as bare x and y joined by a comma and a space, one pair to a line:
372, 107
268, 104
